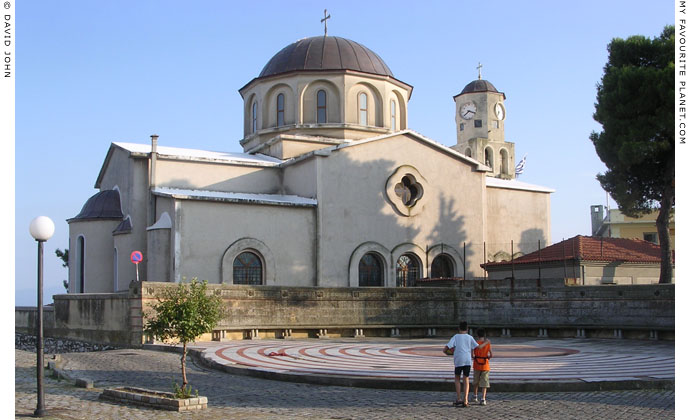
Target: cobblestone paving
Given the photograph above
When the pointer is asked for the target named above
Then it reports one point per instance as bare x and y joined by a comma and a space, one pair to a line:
240, 397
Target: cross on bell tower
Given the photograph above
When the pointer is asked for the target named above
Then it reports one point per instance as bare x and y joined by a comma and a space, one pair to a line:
479, 68
325, 22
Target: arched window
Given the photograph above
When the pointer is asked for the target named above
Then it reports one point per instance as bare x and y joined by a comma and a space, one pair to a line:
370, 270
363, 113
254, 107
80, 278
407, 271
442, 267
489, 158
393, 124
468, 152
504, 162
280, 109
321, 114
115, 270
247, 269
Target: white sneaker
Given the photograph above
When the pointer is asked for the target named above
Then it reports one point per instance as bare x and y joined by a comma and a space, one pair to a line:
476, 399
483, 402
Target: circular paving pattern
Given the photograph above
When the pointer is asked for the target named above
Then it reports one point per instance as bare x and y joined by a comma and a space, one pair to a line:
578, 360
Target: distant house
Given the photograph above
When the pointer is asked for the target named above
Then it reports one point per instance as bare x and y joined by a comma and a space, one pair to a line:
617, 225
586, 260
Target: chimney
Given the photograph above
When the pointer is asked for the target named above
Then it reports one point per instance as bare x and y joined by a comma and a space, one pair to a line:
597, 215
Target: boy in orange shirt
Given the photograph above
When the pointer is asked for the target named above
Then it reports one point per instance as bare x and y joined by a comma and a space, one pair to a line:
481, 357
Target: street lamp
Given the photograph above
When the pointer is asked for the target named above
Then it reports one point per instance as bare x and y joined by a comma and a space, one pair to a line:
41, 228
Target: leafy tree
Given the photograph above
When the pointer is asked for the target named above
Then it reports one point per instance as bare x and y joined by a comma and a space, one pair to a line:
635, 100
182, 314
64, 256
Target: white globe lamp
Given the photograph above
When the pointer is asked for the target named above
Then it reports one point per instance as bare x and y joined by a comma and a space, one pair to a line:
42, 228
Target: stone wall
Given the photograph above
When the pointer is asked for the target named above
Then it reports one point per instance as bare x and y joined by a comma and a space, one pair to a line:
523, 306
89, 317
504, 307
57, 345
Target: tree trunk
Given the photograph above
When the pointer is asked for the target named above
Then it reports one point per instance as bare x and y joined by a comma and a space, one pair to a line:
662, 222
184, 365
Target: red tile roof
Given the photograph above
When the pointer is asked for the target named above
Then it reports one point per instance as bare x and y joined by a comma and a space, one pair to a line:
588, 248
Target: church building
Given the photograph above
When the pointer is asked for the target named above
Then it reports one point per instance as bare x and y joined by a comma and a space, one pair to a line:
333, 189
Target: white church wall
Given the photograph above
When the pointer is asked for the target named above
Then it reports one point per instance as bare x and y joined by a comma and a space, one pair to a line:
216, 177
518, 215
209, 228
354, 208
98, 255
300, 178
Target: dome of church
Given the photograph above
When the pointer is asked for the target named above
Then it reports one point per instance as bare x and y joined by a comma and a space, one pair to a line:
479, 86
102, 205
325, 53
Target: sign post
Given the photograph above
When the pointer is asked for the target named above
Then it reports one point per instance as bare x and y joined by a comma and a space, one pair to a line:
136, 258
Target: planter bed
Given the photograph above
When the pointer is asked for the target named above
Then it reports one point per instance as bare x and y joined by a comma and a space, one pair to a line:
155, 399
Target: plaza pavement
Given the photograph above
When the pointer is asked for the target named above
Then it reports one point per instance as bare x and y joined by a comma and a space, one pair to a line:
246, 397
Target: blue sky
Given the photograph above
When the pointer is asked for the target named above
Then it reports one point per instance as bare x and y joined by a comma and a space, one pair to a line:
91, 73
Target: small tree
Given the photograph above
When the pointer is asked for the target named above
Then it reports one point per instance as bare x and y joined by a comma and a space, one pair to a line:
64, 256
182, 314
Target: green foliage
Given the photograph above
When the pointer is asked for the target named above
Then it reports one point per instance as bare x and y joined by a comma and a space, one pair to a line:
635, 108
184, 392
184, 312
64, 256
635, 101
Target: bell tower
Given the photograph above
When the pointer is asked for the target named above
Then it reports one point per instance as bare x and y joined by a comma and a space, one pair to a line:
480, 117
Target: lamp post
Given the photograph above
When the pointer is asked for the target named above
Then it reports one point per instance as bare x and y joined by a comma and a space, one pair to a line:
41, 228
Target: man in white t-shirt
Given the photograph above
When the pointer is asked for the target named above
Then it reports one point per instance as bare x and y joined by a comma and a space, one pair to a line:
461, 346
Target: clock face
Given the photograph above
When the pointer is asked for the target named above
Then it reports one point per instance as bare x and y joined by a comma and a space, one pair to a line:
500, 111
468, 110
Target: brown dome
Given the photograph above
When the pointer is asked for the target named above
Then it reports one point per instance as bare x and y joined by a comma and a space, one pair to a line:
325, 53
479, 86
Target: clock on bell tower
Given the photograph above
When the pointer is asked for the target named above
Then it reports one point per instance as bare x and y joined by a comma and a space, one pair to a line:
480, 116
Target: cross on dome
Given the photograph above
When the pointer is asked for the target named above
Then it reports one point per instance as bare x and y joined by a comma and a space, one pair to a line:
479, 67
325, 22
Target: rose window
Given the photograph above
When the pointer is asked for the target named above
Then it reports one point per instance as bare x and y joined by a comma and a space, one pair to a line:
408, 190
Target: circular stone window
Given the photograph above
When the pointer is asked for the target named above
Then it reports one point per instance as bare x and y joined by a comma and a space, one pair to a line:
408, 190
405, 190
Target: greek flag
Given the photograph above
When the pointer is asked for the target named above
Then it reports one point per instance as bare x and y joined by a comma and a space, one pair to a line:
520, 168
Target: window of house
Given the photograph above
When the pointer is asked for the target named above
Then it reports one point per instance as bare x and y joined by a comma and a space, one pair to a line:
321, 107
652, 237
363, 117
370, 270
407, 271
442, 267
393, 124
280, 109
254, 106
478, 123
247, 269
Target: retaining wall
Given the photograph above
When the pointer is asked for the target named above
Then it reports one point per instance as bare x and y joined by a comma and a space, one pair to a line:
505, 307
